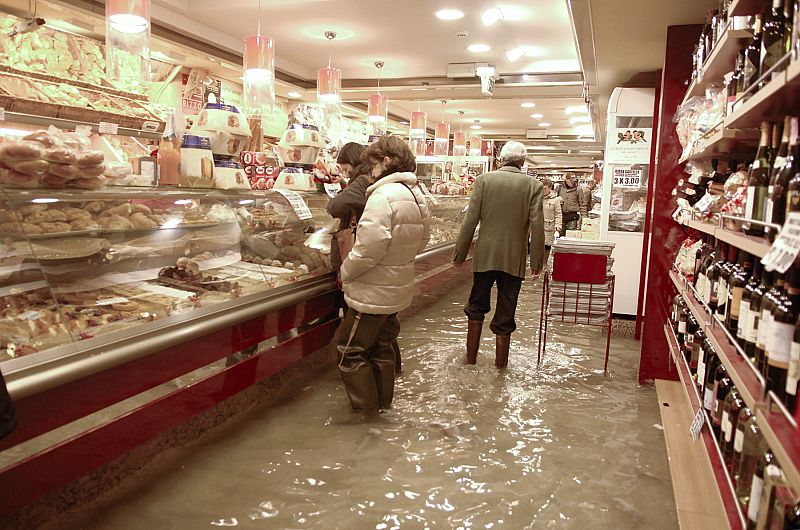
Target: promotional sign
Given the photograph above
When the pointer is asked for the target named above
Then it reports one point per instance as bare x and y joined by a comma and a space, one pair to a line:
630, 141
196, 89
625, 177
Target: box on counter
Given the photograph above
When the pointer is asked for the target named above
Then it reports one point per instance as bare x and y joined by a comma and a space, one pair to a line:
576, 234
590, 225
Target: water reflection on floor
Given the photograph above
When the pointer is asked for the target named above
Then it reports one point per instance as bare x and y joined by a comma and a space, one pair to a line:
464, 447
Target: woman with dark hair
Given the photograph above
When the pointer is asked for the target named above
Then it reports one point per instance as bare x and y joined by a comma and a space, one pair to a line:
349, 203
378, 274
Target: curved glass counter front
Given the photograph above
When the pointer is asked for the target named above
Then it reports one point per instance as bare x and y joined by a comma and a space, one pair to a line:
79, 265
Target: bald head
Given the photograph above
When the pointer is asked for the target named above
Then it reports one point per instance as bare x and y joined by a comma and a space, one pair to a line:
513, 154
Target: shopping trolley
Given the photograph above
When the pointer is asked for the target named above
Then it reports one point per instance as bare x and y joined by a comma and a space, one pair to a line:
585, 278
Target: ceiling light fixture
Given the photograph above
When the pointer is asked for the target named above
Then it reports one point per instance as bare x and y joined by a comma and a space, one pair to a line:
537, 116
580, 119
479, 48
577, 109
476, 125
545, 124
294, 94
378, 105
528, 105
449, 14
329, 81
491, 16
514, 54
441, 144
259, 72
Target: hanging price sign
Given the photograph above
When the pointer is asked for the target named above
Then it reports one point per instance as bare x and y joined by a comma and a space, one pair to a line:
296, 202
784, 250
627, 178
332, 189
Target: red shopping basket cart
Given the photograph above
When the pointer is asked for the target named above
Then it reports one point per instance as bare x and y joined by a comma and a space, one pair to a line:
577, 290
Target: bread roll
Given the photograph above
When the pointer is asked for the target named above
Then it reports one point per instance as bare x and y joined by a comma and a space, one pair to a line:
20, 151
140, 220
115, 222
140, 208
53, 228
123, 209
29, 167
91, 171
95, 207
42, 137
20, 228
60, 155
90, 158
84, 224
15, 179
54, 181
75, 214
66, 171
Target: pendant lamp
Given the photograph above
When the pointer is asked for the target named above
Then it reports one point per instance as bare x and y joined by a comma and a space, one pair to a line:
378, 106
417, 130
441, 144
460, 138
329, 82
259, 73
128, 42
475, 144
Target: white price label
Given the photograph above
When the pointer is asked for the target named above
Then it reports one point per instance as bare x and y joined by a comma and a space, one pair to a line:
627, 178
83, 130
784, 250
332, 189
705, 203
150, 126
105, 127
297, 203
168, 291
2, 114
30, 315
111, 301
697, 424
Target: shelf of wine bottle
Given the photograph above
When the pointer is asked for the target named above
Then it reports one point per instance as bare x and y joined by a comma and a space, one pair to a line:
739, 8
740, 372
720, 61
774, 101
718, 468
726, 143
757, 246
783, 440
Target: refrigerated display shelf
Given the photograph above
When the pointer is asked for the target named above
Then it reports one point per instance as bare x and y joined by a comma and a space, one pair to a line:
727, 143
740, 372
757, 246
725, 487
784, 442
720, 61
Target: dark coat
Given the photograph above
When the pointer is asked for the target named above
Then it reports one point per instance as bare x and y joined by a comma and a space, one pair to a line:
351, 199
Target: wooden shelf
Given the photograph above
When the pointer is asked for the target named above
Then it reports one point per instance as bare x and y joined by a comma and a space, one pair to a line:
739, 8
720, 61
757, 246
784, 442
740, 372
772, 103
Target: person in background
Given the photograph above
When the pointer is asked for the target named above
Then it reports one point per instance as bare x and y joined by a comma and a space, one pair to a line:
570, 203
553, 222
587, 198
378, 274
508, 205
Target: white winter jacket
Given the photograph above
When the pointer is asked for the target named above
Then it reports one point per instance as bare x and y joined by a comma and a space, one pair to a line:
378, 274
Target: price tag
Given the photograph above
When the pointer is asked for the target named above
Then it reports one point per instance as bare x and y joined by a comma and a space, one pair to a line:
150, 126
697, 424
784, 250
627, 178
332, 189
168, 291
297, 203
2, 114
105, 127
83, 130
705, 203
30, 315
679, 216
110, 301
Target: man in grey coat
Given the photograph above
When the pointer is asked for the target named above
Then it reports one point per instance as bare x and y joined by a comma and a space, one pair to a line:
508, 205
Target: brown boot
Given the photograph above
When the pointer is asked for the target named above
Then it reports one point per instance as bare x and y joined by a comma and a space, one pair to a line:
501, 356
474, 328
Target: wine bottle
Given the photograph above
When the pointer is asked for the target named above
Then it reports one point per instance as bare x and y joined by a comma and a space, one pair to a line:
781, 158
754, 320
733, 407
710, 295
788, 15
773, 42
722, 385
723, 283
753, 446
784, 318
737, 292
793, 374
683, 320
704, 357
710, 381
744, 309
735, 84
758, 181
753, 504
778, 189
738, 442
688, 342
764, 321
752, 56
791, 520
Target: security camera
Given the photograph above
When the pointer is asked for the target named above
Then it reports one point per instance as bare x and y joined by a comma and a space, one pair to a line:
26, 26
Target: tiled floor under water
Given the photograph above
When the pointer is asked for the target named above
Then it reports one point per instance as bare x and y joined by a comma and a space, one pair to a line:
464, 447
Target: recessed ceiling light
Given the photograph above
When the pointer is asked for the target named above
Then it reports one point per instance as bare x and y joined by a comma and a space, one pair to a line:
491, 15
580, 119
545, 124
528, 105
537, 116
294, 94
479, 48
514, 54
577, 109
476, 127
449, 14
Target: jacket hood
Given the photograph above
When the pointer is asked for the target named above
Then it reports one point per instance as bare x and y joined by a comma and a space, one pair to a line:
407, 178
551, 195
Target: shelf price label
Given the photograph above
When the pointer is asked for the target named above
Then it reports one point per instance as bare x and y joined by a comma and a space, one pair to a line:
697, 424
105, 127
627, 178
297, 203
150, 126
784, 250
332, 189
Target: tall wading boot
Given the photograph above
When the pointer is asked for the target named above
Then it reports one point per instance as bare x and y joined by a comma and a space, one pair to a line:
398, 362
501, 355
384, 369
356, 370
474, 328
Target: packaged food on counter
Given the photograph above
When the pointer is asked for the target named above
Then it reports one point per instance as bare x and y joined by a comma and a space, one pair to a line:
197, 162
229, 174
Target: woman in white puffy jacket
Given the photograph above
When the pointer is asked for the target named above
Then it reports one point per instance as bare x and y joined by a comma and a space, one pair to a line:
378, 274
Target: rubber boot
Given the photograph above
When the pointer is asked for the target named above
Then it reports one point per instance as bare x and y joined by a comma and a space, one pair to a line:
501, 356
357, 372
474, 328
398, 362
384, 370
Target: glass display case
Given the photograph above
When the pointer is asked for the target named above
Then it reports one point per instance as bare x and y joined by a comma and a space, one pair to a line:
78, 265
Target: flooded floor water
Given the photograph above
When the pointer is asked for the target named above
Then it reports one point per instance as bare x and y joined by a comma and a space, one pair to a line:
464, 446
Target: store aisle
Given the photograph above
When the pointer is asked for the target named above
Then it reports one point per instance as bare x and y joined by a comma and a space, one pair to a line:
464, 447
